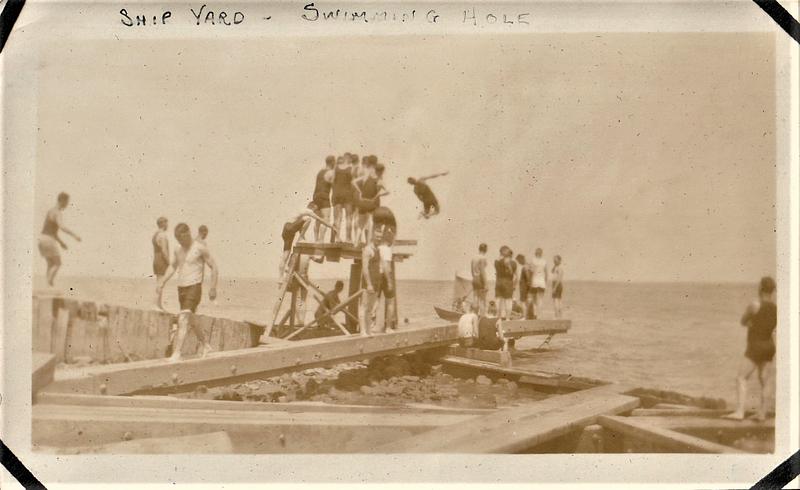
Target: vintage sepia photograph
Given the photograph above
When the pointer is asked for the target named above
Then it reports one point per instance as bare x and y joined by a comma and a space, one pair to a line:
502, 242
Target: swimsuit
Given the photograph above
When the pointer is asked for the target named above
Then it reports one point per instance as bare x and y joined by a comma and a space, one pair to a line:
425, 194
190, 278
322, 190
160, 262
342, 190
48, 244
504, 287
369, 190
524, 283
760, 346
558, 291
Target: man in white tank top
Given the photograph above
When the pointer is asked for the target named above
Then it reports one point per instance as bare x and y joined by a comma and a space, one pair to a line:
189, 262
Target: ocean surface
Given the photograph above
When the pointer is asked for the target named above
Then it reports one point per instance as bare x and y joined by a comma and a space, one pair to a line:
680, 337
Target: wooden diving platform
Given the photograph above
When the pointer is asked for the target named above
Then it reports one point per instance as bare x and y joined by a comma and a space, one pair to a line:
334, 252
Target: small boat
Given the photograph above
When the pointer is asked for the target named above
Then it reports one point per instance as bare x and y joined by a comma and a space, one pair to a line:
449, 315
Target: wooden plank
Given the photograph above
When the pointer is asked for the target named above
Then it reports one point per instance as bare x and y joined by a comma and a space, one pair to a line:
43, 370
223, 367
524, 328
697, 412
60, 334
687, 422
536, 378
662, 438
44, 323
494, 356
211, 443
170, 402
253, 432
521, 428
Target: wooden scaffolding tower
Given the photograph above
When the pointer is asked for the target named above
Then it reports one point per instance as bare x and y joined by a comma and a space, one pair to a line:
295, 285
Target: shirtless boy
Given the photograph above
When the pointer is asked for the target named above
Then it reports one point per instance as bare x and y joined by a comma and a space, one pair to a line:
49, 241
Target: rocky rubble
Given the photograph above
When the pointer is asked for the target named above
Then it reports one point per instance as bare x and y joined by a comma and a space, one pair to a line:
391, 380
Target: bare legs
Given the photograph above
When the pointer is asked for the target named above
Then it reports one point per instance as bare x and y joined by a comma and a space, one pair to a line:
180, 337
505, 307
745, 371
52, 270
319, 230
363, 227
343, 211
557, 307
284, 263
480, 301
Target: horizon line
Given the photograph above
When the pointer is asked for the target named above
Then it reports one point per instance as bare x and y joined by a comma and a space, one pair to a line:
264, 278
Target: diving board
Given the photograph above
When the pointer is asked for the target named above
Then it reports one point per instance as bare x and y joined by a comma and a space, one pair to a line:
161, 376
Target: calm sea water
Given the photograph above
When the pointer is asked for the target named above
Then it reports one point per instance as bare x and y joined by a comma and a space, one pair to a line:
681, 337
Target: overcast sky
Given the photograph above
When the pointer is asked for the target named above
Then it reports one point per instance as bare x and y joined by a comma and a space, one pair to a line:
641, 157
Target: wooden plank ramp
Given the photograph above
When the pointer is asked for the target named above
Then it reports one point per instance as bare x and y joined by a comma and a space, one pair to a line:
251, 431
518, 429
161, 376
535, 378
665, 439
170, 402
210, 443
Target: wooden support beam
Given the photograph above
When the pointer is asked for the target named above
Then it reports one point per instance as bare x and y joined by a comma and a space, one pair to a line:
250, 431
689, 411
171, 402
211, 443
501, 358
664, 440
159, 375
525, 328
519, 429
287, 280
44, 366
535, 378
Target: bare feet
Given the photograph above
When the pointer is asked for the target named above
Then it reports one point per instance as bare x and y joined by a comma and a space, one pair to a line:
174, 358
206, 350
737, 415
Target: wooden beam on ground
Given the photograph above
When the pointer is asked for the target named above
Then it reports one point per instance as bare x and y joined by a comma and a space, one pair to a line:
211, 443
519, 429
171, 402
691, 411
661, 438
535, 378
44, 366
251, 432
525, 328
501, 358
160, 376
686, 422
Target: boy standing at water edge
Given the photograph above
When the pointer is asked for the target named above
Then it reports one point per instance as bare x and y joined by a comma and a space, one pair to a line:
49, 240
189, 261
557, 285
539, 276
760, 318
160, 249
479, 287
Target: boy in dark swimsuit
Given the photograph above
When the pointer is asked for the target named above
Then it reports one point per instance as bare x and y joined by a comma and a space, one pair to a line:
322, 196
430, 205
342, 198
760, 318
367, 191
